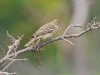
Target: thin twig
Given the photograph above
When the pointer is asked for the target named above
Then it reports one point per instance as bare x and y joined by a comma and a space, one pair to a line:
64, 34
6, 73
67, 41
8, 65
12, 61
3, 51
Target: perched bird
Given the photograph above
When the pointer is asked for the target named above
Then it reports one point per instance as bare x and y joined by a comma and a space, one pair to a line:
46, 31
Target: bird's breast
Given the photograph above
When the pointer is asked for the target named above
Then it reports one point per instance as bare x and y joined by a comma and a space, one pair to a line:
48, 35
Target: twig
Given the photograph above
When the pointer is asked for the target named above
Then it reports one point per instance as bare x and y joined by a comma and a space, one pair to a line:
12, 61
64, 34
15, 43
67, 41
6, 73
11, 48
8, 65
3, 51
76, 25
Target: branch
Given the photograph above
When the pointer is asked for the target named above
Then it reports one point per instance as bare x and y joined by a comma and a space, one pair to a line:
12, 49
6, 73
12, 61
13, 52
90, 26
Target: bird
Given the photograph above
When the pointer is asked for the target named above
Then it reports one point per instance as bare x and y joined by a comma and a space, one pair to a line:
45, 31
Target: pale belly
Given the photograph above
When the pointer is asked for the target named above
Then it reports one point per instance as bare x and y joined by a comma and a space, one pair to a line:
46, 36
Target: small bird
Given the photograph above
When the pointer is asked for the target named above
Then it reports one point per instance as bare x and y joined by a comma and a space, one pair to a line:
46, 31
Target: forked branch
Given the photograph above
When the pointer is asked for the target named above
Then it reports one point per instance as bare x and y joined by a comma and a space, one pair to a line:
36, 48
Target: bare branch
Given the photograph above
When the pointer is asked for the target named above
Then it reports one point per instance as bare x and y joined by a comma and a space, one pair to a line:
12, 49
64, 34
76, 25
42, 44
35, 48
3, 51
67, 41
12, 61
8, 65
15, 43
11, 38
6, 73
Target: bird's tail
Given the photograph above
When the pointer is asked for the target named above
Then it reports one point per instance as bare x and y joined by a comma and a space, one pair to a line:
30, 42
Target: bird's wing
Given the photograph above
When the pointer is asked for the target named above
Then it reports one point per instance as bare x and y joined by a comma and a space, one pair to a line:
44, 30
30, 42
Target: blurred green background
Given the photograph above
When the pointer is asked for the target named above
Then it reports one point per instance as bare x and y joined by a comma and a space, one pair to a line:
20, 17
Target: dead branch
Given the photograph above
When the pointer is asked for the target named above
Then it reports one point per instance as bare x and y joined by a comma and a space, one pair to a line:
12, 49
91, 26
6, 73
12, 61
13, 52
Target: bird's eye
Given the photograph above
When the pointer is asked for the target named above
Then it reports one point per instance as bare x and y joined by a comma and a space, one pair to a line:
58, 24
32, 36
